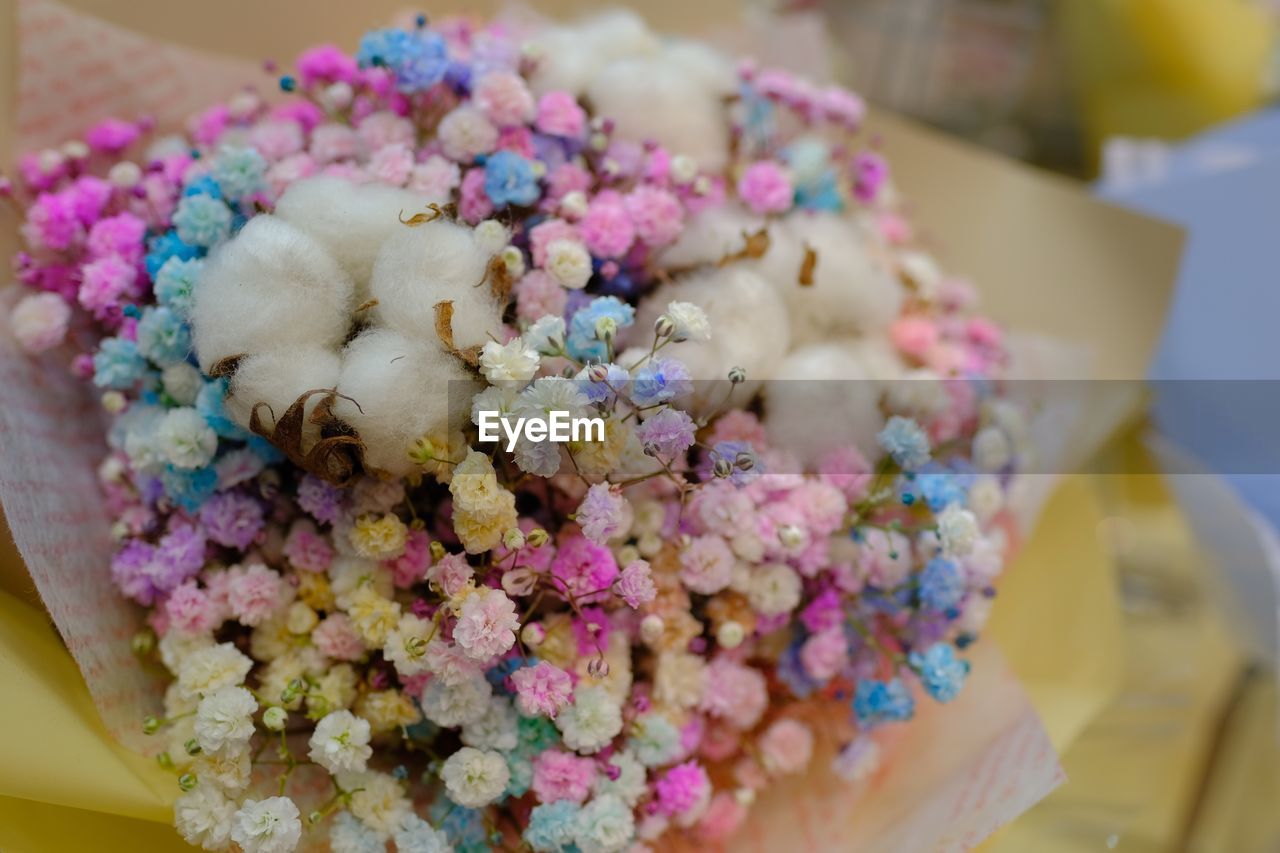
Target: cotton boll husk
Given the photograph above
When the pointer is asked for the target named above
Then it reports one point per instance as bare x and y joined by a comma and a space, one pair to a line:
278, 378
749, 328
401, 389
852, 293
432, 263
712, 234
649, 98
351, 220
825, 396
270, 287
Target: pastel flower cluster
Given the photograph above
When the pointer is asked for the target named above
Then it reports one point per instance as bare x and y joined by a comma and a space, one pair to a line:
298, 316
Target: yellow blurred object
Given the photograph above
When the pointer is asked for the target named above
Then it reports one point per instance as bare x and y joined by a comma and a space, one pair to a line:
1165, 68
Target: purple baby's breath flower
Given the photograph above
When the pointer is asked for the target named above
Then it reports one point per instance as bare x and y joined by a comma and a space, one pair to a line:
669, 433
321, 500
232, 519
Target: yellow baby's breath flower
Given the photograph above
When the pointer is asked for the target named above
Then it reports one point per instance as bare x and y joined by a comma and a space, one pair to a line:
379, 538
314, 590
475, 487
560, 646
387, 710
598, 459
373, 616
480, 532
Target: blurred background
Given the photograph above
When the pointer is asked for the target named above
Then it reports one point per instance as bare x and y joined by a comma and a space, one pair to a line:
1162, 107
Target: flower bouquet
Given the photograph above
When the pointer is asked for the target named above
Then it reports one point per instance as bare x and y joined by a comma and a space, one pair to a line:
519, 438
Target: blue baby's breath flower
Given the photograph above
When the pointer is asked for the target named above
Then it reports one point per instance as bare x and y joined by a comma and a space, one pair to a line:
164, 248
552, 826
659, 380
387, 48
189, 488
509, 179
614, 382
240, 172
465, 827
163, 337
905, 442
876, 702
415, 835
940, 487
350, 835
202, 220
175, 284
118, 365
209, 403
940, 671
941, 585
205, 184
520, 768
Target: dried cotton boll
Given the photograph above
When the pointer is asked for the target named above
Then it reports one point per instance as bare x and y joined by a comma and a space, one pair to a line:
851, 293
271, 287
403, 388
569, 57
823, 397
748, 329
649, 98
432, 263
278, 378
712, 234
351, 220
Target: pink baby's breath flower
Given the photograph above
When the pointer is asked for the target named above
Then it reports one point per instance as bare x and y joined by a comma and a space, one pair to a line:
392, 164
487, 624
656, 215
722, 818
290, 170
411, 566
451, 574
277, 139
325, 63
735, 693
914, 335
542, 235
786, 746
765, 187
306, 549
336, 638
112, 135
606, 228
824, 654
105, 284
583, 569
560, 115
474, 203
542, 688
635, 584
118, 236
386, 128
504, 98
706, 565
684, 789
539, 295
559, 775
255, 594
188, 609
332, 142
437, 177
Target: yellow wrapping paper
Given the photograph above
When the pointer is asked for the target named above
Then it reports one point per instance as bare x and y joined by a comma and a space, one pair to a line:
92, 794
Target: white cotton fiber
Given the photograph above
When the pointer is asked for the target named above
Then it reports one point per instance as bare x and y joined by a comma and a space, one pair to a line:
401, 389
278, 378
568, 57
422, 266
822, 397
650, 98
748, 327
708, 67
711, 235
272, 286
852, 291
351, 220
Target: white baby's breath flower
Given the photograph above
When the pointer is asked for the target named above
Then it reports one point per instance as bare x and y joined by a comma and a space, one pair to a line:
182, 382
224, 718
340, 743
475, 778
592, 720
496, 729
491, 236
569, 263
957, 530
985, 498
267, 826
229, 769
513, 361
406, 645
203, 816
378, 801
991, 449
206, 669
630, 785
459, 704
689, 322
185, 439
774, 588
176, 646
553, 394
678, 680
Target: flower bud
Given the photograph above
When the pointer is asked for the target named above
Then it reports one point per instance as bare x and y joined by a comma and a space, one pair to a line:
437, 550
113, 402
187, 782
574, 204
790, 536
598, 667
164, 761
518, 582
415, 647
744, 796
75, 150
730, 634
150, 725
532, 634
513, 538
538, 537
737, 375
143, 642
683, 168
300, 618
125, 175
422, 451
597, 372
275, 718
315, 817
291, 691
606, 328
722, 468
513, 260
192, 747
649, 545
664, 326
745, 461
651, 628
338, 96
